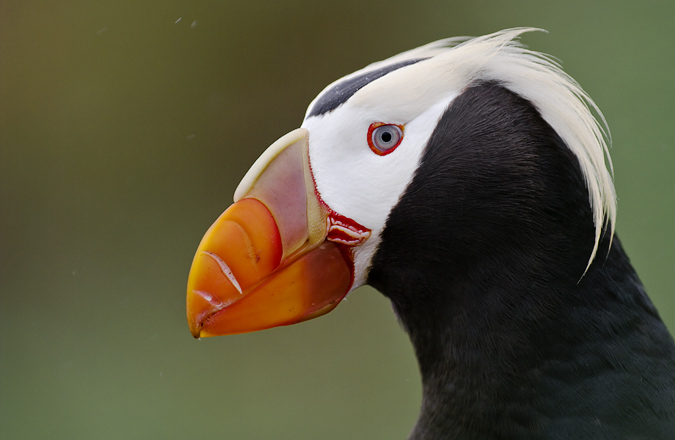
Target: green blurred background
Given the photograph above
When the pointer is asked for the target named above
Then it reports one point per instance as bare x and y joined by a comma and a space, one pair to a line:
125, 127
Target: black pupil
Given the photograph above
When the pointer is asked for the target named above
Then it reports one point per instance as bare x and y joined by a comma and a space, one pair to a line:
386, 137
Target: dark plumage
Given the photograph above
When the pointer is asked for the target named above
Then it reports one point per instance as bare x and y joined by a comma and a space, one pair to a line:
486, 277
486, 216
341, 92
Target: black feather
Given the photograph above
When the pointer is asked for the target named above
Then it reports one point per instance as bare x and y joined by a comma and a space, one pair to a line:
343, 90
483, 259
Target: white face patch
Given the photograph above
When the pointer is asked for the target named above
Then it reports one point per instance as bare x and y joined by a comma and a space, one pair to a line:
364, 186
354, 181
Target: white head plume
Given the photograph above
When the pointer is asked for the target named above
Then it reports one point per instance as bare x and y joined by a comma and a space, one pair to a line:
451, 65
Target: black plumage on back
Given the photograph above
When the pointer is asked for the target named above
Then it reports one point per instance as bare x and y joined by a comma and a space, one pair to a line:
484, 259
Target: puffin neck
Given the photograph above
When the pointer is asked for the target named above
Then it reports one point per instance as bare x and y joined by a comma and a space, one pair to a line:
538, 361
487, 280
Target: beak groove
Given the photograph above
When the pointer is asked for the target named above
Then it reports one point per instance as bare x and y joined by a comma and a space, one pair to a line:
278, 255
225, 269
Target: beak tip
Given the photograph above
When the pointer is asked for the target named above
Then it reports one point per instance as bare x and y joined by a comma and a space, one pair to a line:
195, 327
196, 333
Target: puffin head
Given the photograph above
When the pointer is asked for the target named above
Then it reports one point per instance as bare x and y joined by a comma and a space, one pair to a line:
439, 159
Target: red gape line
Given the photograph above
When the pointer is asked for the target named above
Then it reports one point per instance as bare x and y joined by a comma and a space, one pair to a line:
344, 230
341, 229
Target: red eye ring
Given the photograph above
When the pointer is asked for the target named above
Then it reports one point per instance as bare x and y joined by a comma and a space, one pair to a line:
383, 138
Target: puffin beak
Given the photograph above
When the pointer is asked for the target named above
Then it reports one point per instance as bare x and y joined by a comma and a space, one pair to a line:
278, 255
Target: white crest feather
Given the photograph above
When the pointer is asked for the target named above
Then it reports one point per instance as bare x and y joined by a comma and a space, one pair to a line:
455, 63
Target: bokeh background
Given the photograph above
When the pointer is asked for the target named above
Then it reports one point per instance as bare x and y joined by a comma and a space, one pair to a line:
125, 127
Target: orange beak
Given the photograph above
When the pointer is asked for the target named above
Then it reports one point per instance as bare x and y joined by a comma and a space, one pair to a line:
277, 256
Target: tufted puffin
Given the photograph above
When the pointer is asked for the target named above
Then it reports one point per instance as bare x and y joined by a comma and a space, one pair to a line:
468, 181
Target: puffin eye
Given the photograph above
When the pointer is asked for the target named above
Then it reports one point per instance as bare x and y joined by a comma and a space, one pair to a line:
384, 138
